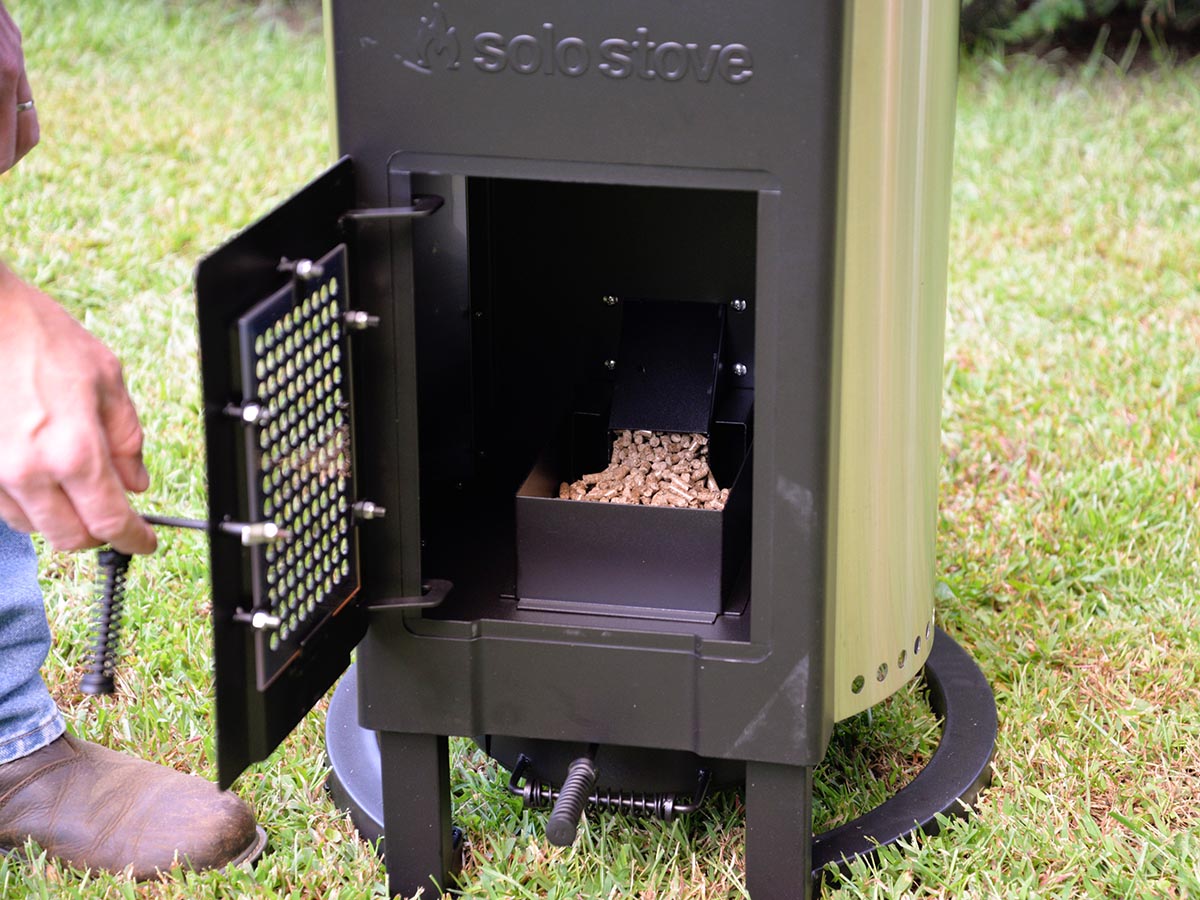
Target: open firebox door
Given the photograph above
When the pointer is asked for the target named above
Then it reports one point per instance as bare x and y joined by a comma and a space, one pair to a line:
278, 326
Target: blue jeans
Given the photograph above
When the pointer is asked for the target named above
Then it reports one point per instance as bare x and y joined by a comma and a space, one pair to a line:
29, 719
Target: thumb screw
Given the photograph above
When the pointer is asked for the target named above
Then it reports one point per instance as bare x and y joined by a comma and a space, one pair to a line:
577, 787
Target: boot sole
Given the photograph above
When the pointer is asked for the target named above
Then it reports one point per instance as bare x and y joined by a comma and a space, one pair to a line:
251, 854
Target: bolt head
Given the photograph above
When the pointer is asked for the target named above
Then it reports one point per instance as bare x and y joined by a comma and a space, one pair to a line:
739, 305
609, 300
610, 364
739, 369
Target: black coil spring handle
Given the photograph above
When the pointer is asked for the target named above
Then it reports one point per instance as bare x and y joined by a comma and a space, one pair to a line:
563, 822
107, 622
111, 578
663, 806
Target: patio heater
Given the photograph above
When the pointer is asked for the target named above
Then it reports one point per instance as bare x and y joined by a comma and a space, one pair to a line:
561, 232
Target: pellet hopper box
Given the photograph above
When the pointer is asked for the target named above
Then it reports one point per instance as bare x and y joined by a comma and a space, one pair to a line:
673, 424
430, 333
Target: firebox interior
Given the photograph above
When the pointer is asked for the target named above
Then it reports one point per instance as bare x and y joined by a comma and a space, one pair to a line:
548, 298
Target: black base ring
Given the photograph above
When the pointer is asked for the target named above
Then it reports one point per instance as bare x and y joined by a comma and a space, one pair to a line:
950, 782
948, 785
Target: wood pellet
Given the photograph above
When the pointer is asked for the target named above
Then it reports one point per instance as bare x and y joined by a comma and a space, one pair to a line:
653, 468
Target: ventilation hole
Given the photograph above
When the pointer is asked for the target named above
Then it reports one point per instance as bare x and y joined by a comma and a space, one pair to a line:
917, 646
857, 684
882, 672
903, 658
928, 630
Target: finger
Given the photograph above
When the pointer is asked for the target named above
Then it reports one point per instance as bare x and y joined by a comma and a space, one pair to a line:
28, 131
119, 419
12, 66
8, 119
99, 500
51, 513
13, 515
131, 470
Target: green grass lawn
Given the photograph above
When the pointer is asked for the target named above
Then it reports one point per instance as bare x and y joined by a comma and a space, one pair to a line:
1068, 524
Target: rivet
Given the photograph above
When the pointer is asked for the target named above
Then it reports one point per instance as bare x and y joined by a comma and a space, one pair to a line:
739, 305
739, 369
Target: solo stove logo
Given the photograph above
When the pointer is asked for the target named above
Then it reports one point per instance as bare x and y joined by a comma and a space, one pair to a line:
437, 45
435, 38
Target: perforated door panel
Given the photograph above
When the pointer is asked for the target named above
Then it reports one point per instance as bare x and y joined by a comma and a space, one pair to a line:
293, 354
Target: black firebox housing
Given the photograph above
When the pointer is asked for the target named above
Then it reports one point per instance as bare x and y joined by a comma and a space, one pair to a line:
588, 157
562, 190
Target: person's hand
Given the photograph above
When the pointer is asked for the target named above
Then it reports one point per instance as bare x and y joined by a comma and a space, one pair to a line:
70, 441
18, 118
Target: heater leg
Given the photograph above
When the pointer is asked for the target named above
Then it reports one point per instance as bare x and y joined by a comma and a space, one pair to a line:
778, 832
418, 841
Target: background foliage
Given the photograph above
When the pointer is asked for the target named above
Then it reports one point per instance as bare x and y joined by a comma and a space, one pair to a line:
1027, 21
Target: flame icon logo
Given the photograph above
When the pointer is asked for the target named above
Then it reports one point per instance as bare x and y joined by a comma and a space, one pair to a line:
436, 38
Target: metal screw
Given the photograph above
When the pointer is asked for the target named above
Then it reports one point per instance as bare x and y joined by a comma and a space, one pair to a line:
357, 320
610, 364
250, 413
609, 300
256, 533
304, 269
260, 620
739, 305
739, 370
365, 509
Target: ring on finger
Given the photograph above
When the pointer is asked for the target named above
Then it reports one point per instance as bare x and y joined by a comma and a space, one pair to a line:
24, 105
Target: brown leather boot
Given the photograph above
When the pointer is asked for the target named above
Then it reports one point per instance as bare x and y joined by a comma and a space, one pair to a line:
97, 809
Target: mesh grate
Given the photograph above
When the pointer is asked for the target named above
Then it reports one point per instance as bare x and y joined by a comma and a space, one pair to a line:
298, 458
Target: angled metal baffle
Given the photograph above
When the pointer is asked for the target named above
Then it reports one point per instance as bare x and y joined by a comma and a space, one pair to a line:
948, 785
